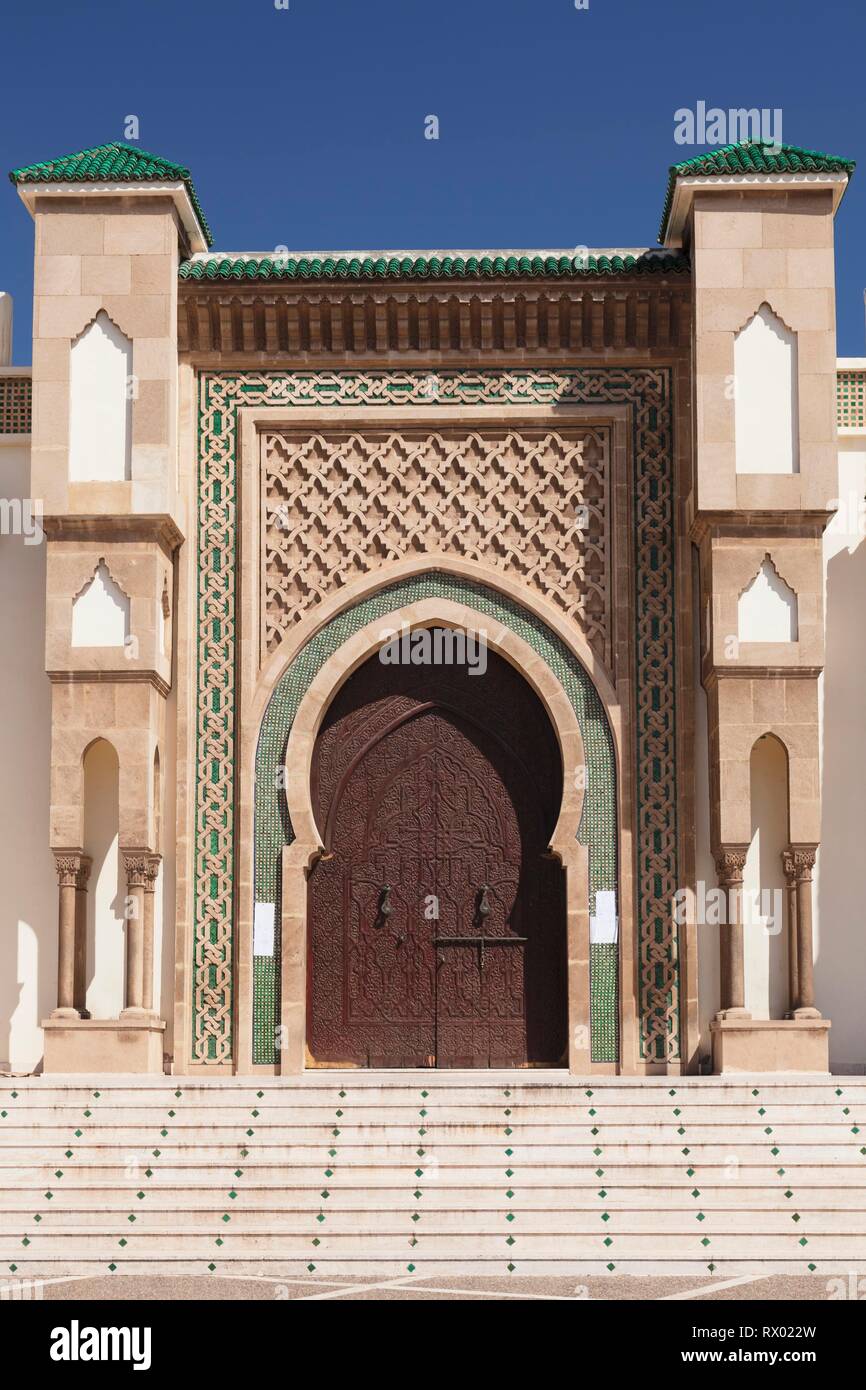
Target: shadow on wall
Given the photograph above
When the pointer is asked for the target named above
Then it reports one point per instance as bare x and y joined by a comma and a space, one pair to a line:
840, 969
28, 902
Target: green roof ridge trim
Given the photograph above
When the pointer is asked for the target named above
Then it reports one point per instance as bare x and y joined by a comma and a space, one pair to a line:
428, 267
753, 157
116, 162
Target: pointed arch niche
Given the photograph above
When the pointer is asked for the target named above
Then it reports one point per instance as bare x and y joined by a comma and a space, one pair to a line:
100, 612
767, 608
766, 406
100, 404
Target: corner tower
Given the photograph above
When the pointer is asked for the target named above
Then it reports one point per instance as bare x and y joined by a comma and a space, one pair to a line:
111, 225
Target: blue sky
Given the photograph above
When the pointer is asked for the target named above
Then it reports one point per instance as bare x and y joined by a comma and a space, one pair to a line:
305, 126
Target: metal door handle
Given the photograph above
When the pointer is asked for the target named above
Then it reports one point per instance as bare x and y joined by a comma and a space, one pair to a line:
483, 904
385, 908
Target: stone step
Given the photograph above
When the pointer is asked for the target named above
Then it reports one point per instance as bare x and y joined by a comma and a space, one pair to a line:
191, 1169
328, 1269
507, 1220
741, 1145
385, 1243
507, 1153
374, 1089
510, 1130
673, 1111
434, 1196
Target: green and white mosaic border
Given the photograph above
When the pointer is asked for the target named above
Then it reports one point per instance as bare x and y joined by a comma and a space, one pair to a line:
648, 392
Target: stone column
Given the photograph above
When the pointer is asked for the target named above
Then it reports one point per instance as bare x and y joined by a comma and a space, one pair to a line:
79, 988
789, 868
730, 862
68, 864
804, 863
136, 865
153, 863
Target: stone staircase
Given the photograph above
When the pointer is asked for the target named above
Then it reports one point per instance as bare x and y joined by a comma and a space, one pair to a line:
395, 1173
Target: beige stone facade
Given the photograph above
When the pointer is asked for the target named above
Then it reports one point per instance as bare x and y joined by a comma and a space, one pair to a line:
550, 456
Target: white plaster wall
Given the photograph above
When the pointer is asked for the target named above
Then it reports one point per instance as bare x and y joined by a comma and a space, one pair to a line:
100, 408
106, 889
840, 890
764, 928
28, 902
766, 407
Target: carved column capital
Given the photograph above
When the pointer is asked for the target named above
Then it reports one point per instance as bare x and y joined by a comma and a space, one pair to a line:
730, 862
798, 861
135, 863
152, 872
73, 867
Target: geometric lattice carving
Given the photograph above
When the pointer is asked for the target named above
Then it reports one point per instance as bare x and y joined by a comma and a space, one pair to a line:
532, 502
646, 392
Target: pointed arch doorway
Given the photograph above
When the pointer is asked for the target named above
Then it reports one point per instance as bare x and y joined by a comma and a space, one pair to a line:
436, 915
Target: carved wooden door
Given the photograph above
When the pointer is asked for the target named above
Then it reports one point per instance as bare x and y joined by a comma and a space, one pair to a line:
436, 921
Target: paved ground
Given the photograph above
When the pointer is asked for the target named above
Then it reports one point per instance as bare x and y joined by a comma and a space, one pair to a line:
791, 1288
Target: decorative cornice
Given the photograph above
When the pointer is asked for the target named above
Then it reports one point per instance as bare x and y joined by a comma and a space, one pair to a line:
224, 324
755, 526
116, 677
162, 529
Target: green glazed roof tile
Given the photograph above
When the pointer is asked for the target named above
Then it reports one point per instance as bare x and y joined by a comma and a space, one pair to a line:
753, 157
112, 163
428, 266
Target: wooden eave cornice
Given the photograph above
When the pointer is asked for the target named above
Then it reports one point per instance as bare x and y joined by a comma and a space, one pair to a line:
321, 321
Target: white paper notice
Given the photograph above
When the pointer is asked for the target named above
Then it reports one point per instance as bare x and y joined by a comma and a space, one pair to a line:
263, 930
603, 926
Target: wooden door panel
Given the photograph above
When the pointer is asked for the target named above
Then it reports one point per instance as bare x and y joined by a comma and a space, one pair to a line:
436, 784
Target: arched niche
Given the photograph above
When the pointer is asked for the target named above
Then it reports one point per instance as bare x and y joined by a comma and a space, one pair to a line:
766, 396
100, 612
100, 404
767, 608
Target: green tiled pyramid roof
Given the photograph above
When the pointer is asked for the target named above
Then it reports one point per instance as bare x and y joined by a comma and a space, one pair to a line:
113, 163
428, 266
754, 157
